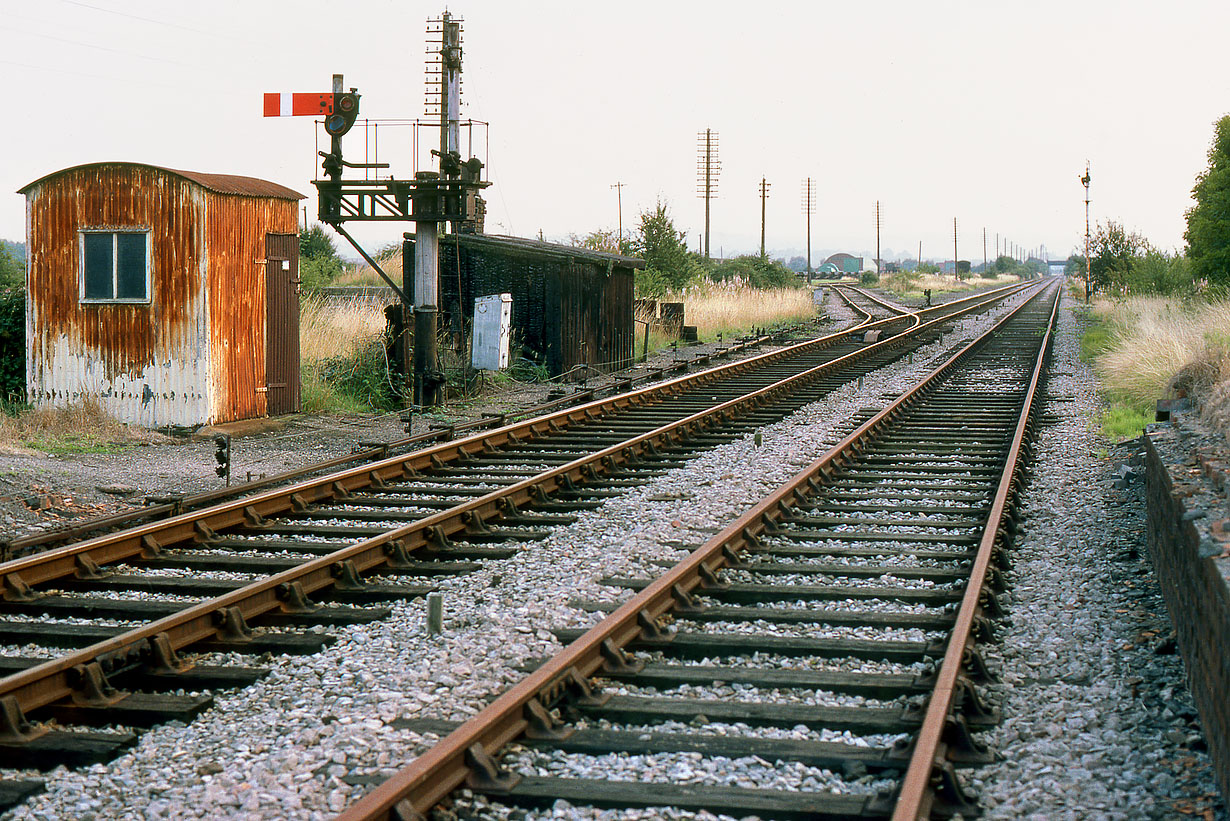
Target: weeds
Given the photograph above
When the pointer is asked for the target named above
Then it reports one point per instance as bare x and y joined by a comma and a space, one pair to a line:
731, 310
79, 428
1149, 348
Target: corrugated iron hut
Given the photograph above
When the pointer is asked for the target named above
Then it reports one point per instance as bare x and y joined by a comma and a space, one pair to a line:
571, 306
167, 296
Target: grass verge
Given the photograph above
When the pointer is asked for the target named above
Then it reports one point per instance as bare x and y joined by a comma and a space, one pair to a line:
731, 310
1148, 348
79, 428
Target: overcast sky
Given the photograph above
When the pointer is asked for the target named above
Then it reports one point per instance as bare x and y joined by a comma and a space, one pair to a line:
982, 111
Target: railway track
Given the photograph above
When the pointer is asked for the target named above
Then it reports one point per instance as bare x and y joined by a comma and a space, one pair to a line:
847, 607
109, 622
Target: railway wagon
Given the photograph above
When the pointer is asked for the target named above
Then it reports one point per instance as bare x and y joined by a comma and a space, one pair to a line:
168, 297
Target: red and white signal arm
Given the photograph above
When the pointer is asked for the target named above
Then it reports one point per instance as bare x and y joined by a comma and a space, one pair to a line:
297, 105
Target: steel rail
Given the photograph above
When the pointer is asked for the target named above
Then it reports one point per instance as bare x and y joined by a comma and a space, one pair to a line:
422, 784
916, 795
58, 678
17, 574
900, 309
177, 506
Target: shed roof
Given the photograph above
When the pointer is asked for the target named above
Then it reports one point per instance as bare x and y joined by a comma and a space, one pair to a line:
220, 183
522, 246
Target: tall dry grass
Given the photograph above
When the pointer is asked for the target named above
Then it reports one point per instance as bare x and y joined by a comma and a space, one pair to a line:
1162, 348
82, 427
723, 308
332, 328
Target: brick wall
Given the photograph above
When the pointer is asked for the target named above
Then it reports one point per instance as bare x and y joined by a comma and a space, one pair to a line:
1186, 522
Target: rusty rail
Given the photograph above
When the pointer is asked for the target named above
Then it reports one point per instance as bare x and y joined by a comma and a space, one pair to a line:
916, 795
428, 779
59, 678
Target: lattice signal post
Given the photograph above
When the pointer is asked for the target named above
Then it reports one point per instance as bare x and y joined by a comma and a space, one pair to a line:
708, 167
449, 196
808, 199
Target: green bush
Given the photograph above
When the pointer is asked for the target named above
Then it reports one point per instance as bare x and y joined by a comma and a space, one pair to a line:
363, 377
755, 271
12, 346
869, 278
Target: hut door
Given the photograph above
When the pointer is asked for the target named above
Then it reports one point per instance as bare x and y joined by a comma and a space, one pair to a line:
281, 323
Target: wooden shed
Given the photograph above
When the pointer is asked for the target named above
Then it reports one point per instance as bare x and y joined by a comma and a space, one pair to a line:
571, 306
169, 297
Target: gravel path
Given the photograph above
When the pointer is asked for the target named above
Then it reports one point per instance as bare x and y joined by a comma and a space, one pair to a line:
318, 731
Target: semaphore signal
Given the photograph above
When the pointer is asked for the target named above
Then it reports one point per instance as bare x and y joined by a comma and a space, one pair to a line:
297, 105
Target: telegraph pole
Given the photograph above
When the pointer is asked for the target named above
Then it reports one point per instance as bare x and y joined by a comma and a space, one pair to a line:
809, 208
1088, 279
764, 195
984, 250
708, 166
619, 198
956, 270
877, 237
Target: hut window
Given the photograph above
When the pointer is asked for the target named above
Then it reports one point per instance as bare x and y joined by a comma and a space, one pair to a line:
115, 266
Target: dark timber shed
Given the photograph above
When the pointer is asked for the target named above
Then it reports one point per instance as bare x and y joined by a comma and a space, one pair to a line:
169, 297
571, 306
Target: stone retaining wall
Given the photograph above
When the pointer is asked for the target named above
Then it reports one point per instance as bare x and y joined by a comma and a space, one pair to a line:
1186, 478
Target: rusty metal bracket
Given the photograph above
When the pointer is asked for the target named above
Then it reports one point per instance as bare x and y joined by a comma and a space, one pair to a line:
204, 534
254, 518
150, 549
651, 628
404, 811
232, 627
15, 589
990, 603
485, 774
709, 579
438, 538
161, 658
91, 688
346, 575
340, 491
615, 660
14, 727
543, 724
961, 746
684, 603
299, 504
579, 690
983, 629
294, 600
396, 554
87, 568
970, 703
975, 666
731, 557
474, 523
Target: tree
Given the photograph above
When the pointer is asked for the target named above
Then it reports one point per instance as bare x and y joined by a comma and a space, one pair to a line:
1112, 251
667, 264
797, 264
1075, 266
319, 263
1208, 221
314, 243
12, 270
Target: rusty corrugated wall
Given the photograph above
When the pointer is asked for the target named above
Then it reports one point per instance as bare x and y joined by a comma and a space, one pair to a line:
194, 352
235, 233
144, 363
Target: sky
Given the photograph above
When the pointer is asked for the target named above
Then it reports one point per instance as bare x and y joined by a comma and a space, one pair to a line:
985, 112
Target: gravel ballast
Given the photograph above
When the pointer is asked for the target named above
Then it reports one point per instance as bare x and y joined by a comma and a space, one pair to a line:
1080, 710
